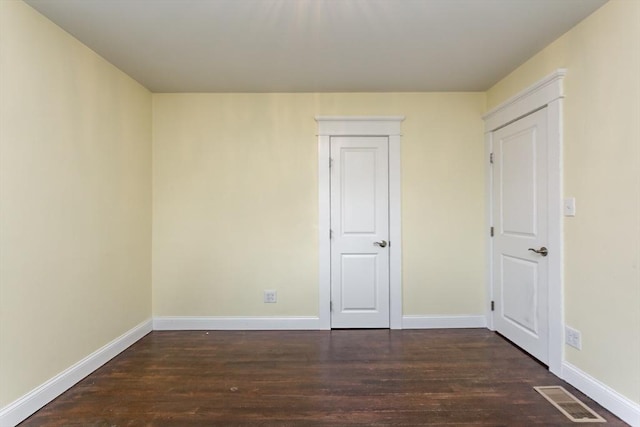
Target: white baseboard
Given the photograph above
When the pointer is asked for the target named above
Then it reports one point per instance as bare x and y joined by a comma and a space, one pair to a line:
187, 323
437, 322
26, 405
610, 399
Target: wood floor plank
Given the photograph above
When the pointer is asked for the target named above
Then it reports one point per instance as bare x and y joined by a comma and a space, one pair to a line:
314, 378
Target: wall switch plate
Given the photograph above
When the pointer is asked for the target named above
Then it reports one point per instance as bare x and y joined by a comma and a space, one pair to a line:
569, 206
573, 337
270, 296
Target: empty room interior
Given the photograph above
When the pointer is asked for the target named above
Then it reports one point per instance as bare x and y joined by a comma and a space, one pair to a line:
264, 167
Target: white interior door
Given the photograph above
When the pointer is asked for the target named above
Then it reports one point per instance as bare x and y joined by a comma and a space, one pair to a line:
520, 274
359, 232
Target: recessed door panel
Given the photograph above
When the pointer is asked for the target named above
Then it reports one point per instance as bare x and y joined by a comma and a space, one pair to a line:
358, 190
359, 282
518, 183
520, 297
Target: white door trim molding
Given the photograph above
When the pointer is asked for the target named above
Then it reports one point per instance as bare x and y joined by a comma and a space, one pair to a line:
548, 93
389, 126
536, 96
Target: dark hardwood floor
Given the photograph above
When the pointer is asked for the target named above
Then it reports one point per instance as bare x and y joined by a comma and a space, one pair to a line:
312, 378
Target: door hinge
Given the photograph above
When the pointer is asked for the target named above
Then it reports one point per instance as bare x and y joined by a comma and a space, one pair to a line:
330, 234
331, 306
491, 231
330, 162
493, 306
491, 158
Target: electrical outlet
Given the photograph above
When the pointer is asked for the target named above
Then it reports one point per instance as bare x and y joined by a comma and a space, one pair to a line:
270, 296
573, 337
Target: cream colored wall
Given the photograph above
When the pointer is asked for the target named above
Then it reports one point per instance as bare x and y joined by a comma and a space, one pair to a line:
235, 201
75, 201
602, 171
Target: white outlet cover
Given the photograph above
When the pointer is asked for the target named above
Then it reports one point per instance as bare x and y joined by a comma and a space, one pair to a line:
569, 206
270, 296
573, 337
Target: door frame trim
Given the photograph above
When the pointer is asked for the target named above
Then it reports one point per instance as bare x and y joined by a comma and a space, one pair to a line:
388, 126
549, 93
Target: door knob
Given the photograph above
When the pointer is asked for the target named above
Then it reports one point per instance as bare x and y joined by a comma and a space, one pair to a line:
542, 251
381, 243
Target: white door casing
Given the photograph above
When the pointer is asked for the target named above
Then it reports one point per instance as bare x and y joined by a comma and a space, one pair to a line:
359, 232
549, 93
334, 126
520, 281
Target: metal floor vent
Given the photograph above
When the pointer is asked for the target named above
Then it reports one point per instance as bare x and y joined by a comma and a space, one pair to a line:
569, 405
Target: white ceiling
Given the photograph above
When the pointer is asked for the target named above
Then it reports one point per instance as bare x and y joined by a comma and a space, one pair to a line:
316, 45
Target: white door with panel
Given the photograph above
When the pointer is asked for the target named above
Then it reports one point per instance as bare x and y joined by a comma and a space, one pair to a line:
359, 232
520, 266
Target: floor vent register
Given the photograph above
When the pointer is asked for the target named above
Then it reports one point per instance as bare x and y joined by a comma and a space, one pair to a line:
569, 405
